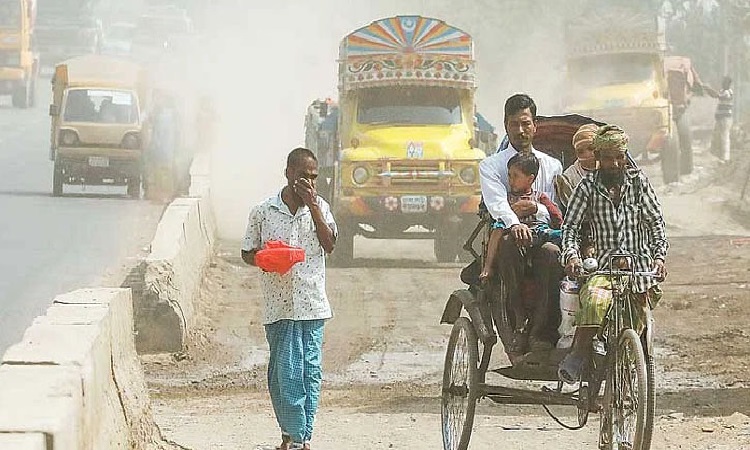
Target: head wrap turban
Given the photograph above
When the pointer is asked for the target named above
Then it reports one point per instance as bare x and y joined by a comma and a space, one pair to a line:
610, 138
584, 135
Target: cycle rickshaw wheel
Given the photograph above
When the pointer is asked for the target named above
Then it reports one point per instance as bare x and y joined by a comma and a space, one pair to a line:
648, 428
460, 390
624, 423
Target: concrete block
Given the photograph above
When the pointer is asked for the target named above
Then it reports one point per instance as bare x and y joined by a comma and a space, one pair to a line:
126, 368
173, 274
75, 338
23, 441
41, 401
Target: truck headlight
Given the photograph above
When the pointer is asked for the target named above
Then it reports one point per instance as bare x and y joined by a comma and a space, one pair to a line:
360, 175
468, 175
131, 141
68, 138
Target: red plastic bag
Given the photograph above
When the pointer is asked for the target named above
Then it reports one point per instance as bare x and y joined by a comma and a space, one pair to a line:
278, 257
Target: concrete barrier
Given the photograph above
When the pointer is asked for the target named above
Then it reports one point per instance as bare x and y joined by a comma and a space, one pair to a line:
173, 270
75, 378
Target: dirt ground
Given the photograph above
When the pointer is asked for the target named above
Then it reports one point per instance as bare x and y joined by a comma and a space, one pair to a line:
384, 349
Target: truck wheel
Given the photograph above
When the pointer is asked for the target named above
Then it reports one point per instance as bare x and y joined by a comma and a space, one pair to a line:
32, 94
21, 97
57, 181
134, 187
670, 162
686, 144
446, 245
343, 253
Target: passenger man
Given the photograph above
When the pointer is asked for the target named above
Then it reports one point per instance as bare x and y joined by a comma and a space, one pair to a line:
520, 126
625, 217
296, 306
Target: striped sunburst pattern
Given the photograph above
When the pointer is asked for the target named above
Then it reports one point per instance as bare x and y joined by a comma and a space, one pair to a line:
407, 50
409, 34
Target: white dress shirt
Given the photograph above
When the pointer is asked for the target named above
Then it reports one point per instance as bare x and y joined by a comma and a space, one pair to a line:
493, 177
301, 293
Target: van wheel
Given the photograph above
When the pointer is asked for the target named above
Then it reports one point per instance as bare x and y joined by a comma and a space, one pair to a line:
57, 181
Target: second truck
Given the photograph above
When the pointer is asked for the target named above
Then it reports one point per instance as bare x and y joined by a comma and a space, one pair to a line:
398, 154
19, 60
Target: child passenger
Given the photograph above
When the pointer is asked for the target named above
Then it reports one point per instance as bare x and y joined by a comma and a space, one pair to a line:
544, 225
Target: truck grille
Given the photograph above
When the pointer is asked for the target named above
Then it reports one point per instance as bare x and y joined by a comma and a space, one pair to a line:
414, 172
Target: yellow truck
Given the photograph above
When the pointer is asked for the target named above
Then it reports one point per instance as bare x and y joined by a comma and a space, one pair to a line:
19, 60
97, 118
615, 72
400, 159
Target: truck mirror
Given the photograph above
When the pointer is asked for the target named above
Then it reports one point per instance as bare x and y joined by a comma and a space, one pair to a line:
52, 110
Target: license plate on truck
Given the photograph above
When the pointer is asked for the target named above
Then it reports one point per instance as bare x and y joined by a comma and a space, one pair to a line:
414, 204
98, 161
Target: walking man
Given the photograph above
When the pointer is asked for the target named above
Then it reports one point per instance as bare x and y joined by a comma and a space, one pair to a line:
723, 130
296, 306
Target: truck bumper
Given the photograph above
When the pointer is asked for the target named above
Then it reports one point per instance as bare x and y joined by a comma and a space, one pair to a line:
391, 216
97, 166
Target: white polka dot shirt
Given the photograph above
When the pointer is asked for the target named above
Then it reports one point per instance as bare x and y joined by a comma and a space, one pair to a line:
301, 293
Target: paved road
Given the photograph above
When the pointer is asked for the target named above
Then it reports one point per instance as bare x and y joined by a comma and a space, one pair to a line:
53, 245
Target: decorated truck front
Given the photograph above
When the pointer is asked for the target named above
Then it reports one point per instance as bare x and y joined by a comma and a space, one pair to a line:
408, 163
615, 71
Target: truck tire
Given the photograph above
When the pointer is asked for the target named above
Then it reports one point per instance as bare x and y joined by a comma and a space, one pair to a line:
446, 245
32, 94
343, 252
134, 187
57, 181
670, 161
685, 137
20, 97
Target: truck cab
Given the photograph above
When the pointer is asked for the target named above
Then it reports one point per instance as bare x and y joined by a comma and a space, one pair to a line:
96, 123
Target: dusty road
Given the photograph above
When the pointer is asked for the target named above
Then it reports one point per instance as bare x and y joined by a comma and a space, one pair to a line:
54, 244
384, 350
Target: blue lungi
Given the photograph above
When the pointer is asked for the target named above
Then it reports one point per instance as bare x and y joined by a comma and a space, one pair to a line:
295, 374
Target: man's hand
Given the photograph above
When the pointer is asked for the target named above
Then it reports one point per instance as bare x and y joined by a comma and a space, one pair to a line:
521, 234
304, 188
660, 269
524, 208
574, 267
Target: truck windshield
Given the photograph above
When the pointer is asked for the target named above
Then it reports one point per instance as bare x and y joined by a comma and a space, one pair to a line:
100, 106
404, 105
10, 14
608, 70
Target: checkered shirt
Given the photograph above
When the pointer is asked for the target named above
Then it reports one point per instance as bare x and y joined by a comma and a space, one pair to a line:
636, 226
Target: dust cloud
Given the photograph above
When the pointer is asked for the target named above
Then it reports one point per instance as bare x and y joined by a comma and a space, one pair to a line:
265, 62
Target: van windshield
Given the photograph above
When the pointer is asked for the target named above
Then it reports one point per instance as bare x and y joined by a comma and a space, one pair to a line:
10, 14
100, 106
402, 105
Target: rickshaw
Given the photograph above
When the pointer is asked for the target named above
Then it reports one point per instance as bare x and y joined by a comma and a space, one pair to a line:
618, 381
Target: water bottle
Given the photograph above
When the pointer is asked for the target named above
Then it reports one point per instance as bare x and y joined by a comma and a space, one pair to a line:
568, 307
